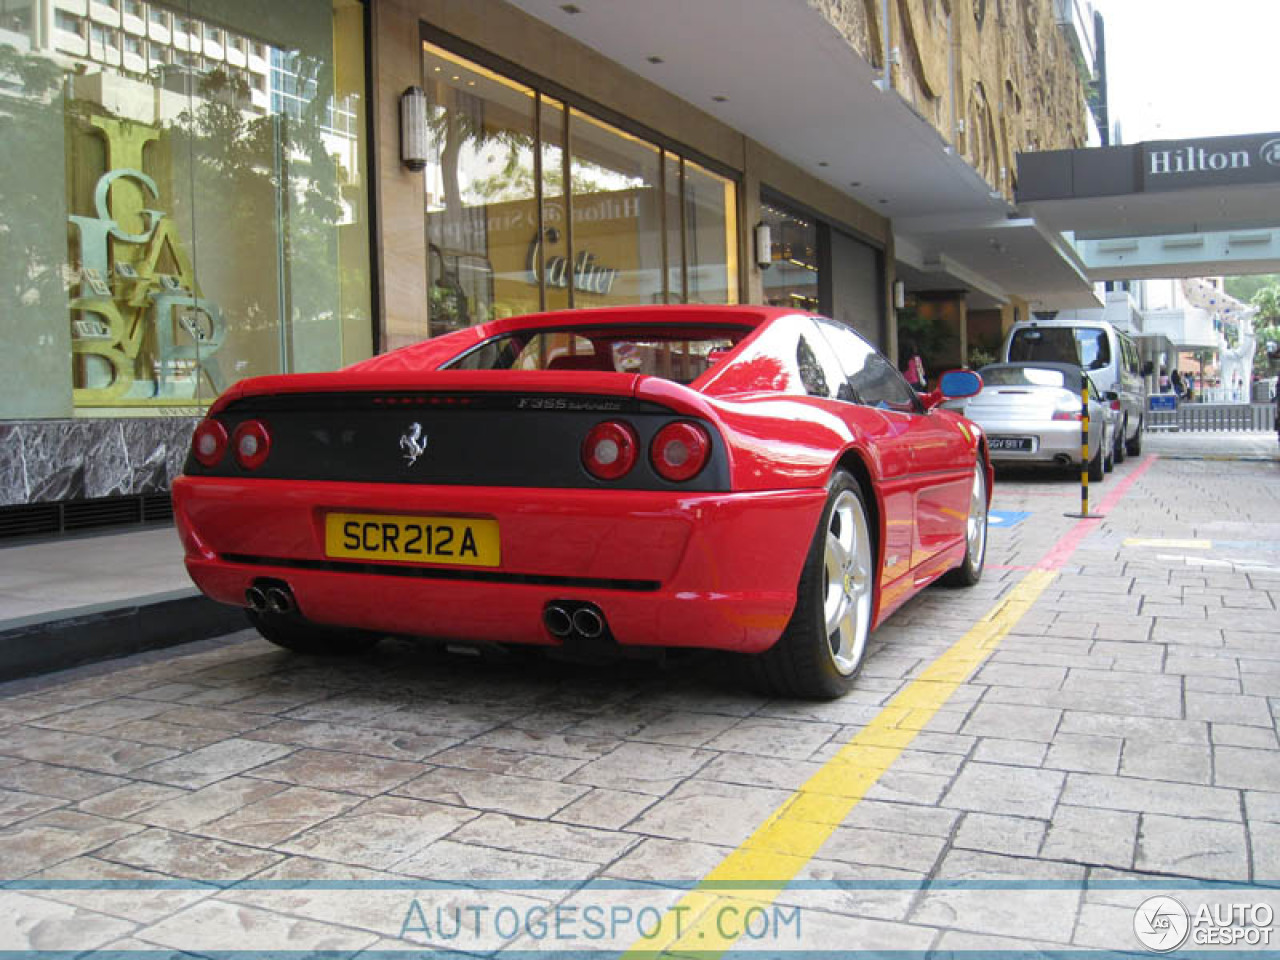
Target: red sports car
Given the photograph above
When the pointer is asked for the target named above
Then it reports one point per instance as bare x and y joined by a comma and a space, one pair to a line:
742, 478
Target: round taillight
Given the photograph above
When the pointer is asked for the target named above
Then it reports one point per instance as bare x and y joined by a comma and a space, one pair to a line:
209, 442
609, 451
680, 451
251, 443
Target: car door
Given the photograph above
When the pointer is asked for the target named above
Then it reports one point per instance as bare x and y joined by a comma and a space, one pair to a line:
930, 447
890, 442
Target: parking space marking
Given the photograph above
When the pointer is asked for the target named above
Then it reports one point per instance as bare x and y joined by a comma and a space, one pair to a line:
1004, 519
779, 848
1172, 544
1056, 558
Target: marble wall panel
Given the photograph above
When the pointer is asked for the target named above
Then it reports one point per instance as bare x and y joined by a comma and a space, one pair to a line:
13, 471
49, 460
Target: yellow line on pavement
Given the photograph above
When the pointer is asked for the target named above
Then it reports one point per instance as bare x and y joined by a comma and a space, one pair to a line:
794, 833
1173, 544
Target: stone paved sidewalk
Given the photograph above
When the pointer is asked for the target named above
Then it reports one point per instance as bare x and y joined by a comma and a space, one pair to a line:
1124, 729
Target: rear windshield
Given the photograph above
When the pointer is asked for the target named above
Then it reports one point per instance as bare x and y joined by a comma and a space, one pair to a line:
681, 355
1084, 346
1028, 377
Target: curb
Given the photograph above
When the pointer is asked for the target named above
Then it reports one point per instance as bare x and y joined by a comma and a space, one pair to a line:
71, 638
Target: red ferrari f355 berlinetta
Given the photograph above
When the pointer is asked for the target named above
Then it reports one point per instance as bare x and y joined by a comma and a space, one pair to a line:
742, 478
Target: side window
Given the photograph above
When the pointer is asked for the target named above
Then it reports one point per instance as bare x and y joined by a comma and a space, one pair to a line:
811, 373
820, 370
873, 381
1095, 351
1130, 356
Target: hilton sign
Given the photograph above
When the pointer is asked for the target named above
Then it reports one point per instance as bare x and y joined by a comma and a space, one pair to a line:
1174, 165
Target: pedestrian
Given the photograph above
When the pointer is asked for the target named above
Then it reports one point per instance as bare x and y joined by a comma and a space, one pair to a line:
915, 369
1175, 381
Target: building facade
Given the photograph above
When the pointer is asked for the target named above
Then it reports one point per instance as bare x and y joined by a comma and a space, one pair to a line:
200, 193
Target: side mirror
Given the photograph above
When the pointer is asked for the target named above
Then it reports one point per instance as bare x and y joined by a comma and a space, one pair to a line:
954, 385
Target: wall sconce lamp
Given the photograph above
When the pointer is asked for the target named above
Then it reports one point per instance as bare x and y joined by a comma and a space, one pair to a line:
899, 294
413, 128
764, 246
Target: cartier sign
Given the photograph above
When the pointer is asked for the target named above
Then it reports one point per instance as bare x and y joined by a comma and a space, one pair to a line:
1216, 161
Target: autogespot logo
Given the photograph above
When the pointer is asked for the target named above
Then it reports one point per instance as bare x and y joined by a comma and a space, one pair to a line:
1161, 924
1270, 152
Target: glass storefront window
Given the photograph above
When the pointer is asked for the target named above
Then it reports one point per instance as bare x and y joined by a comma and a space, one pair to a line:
481, 194
792, 279
617, 216
640, 224
171, 225
711, 232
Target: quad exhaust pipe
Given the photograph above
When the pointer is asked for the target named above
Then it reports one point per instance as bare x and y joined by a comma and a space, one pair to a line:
271, 597
567, 618
256, 599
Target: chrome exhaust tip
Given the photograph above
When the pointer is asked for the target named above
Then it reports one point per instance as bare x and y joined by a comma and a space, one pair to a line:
256, 599
588, 622
557, 620
279, 600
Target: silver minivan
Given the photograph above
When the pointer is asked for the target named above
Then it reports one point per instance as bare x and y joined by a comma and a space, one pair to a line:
1109, 355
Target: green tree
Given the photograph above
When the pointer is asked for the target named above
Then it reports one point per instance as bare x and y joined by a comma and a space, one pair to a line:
1266, 324
1244, 288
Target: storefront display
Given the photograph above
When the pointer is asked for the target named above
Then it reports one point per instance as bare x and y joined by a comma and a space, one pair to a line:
639, 224
185, 203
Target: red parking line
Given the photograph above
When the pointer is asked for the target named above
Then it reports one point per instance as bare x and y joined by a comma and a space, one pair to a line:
1056, 558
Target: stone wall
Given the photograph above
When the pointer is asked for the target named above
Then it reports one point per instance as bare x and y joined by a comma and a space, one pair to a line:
48, 460
993, 77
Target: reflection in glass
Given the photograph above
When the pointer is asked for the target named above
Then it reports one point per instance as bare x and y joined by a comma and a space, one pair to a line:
711, 233
482, 217
792, 280
640, 224
554, 250
617, 239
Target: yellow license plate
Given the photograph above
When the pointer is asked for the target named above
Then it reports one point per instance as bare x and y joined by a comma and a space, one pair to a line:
465, 541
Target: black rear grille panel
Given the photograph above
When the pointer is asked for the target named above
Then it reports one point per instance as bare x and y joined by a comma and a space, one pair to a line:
526, 440
444, 573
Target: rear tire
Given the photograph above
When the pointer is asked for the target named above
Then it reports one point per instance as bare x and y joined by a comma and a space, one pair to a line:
975, 554
1096, 470
825, 643
1134, 446
302, 636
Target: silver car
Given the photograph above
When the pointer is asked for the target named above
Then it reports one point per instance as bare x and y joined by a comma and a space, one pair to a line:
1031, 413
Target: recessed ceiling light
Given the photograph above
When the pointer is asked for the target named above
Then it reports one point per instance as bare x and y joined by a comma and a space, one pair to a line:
570, 8
855, 183
823, 163
654, 59
883, 200
720, 99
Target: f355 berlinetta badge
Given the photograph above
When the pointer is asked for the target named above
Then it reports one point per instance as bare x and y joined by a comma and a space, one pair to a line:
413, 443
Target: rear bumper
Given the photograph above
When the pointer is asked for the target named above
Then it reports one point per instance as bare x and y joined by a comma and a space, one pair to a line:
683, 570
1053, 440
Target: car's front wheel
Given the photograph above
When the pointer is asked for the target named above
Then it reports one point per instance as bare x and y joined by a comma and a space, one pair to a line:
301, 636
824, 644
